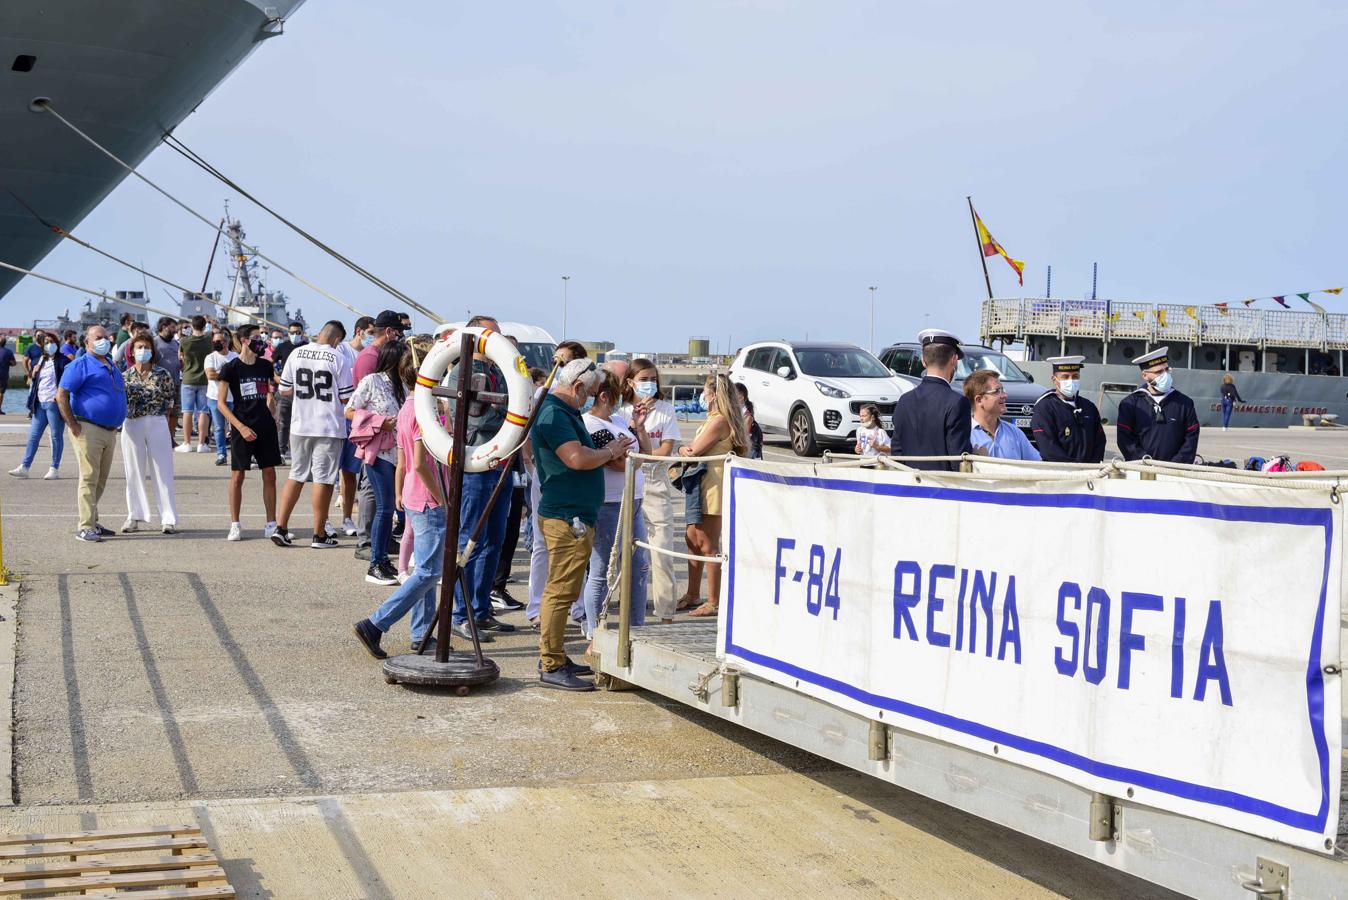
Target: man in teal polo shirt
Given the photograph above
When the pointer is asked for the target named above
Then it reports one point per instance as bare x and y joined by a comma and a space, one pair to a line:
92, 400
571, 487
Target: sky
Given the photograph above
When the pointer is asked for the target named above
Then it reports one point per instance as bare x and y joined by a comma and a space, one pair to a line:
747, 170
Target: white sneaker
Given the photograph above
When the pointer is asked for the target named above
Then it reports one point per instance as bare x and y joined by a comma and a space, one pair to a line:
52, 474
269, 530
203, 447
235, 532
130, 526
20, 472
349, 527
402, 577
329, 530
184, 447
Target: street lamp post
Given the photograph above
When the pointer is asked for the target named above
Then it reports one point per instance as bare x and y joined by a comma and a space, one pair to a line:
872, 290
565, 280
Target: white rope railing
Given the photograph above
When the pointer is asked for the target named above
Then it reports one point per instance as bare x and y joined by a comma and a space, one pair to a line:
719, 558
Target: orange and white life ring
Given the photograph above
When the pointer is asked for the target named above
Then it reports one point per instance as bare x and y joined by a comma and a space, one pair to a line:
441, 359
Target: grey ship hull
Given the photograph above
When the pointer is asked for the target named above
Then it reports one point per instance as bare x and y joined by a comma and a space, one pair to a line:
124, 71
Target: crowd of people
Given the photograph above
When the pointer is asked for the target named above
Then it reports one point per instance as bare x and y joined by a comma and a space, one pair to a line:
336, 410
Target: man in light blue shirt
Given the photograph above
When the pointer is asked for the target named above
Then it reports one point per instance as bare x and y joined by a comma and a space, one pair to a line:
992, 435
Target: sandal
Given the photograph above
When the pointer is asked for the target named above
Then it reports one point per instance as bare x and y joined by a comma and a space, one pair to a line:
686, 603
706, 611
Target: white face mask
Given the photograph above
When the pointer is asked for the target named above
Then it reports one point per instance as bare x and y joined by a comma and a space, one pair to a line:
1069, 387
1163, 382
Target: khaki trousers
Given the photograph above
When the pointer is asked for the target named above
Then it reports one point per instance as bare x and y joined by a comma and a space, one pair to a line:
94, 449
658, 507
568, 558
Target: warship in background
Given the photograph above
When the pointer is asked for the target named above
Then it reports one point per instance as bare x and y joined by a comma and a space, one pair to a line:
249, 297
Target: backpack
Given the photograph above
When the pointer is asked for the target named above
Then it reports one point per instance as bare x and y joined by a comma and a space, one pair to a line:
1309, 465
1279, 464
1254, 464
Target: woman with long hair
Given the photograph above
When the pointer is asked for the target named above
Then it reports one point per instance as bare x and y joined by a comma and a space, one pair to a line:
721, 434
146, 447
44, 380
644, 394
382, 392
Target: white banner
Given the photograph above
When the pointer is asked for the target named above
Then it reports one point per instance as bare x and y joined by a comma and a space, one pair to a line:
1171, 642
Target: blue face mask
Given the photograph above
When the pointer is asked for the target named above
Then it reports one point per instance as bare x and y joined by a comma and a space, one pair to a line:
587, 405
1163, 382
143, 354
276, 342
296, 338
1069, 387
367, 340
647, 389
50, 348
102, 346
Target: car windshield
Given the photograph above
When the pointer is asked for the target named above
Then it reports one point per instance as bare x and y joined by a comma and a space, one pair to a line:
538, 356
993, 362
841, 363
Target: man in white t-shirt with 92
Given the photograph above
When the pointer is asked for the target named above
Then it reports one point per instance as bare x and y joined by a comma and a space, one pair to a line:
319, 380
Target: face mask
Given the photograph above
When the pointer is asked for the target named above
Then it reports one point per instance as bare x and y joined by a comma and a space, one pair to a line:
257, 345
646, 389
587, 405
187, 331
50, 348
1069, 388
102, 346
143, 354
1163, 382
367, 340
219, 346
296, 338
276, 342
209, 329
706, 401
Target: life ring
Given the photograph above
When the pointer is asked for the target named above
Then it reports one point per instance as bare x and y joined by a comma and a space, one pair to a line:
441, 359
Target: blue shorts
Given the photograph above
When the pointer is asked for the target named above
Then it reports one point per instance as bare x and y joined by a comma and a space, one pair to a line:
194, 399
350, 462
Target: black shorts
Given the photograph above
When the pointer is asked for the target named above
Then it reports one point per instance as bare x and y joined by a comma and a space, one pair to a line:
265, 451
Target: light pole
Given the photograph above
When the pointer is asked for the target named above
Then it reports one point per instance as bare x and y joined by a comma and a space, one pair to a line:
872, 290
565, 280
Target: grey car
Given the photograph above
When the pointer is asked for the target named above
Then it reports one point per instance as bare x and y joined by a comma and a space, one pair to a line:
905, 360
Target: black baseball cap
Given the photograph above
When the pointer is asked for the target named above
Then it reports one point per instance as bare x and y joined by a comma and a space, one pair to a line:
389, 319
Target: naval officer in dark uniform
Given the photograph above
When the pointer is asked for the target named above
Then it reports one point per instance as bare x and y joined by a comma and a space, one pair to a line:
1067, 426
1156, 420
933, 419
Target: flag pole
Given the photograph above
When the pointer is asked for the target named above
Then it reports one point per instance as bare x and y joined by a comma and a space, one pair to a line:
973, 219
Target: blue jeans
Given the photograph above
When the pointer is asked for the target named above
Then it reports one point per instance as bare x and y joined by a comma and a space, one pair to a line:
1227, 404
418, 591
48, 415
193, 398
480, 570
380, 476
596, 582
218, 423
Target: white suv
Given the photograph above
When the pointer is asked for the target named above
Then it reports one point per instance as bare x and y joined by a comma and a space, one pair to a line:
814, 391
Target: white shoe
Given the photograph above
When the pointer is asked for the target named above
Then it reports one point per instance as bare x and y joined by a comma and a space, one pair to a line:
235, 532
203, 447
269, 530
329, 530
184, 447
129, 526
169, 529
402, 577
52, 474
20, 472
349, 527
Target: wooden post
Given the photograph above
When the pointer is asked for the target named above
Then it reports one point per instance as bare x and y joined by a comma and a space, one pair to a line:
450, 572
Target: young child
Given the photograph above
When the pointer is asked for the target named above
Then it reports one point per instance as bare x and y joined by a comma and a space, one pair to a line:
871, 438
754, 430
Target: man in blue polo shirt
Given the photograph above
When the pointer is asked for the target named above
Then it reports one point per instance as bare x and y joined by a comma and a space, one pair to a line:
92, 399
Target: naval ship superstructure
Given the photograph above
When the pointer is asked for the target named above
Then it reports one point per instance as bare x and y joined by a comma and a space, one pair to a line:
1287, 365
249, 297
123, 71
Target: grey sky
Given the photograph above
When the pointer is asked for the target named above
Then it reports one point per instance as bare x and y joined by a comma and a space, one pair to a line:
746, 170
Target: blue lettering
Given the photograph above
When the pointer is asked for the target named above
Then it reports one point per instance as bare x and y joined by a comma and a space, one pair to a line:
1211, 660
981, 595
906, 598
959, 610
1067, 665
935, 604
1128, 640
1177, 652
1010, 622
782, 544
1095, 672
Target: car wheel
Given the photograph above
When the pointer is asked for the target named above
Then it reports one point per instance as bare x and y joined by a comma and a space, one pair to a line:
802, 433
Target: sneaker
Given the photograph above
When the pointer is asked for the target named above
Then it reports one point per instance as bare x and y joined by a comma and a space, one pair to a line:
492, 624
402, 577
368, 635
203, 447
221, 460
348, 528
461, 629
329, 530
184, 447
88, 535
323, 542
571, 666
170, 529
363, 553
381, 573
563, 680
104, 532
21, 472
235, 532
268, 530
282, 538
129, 526
503, 602
52, 474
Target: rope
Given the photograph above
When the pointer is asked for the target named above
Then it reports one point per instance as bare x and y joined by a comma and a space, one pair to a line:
45, 105
84, 290
671, 460
680, 554
191, 155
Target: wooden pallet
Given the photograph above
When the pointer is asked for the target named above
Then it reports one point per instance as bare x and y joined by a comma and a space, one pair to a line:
157, 862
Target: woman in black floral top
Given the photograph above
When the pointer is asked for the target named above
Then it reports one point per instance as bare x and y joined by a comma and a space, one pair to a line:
147, 448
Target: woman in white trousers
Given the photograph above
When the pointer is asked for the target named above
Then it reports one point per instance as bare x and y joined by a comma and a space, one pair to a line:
147, 449
662, 426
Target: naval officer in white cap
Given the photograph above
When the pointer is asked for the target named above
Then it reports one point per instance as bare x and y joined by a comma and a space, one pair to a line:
1066, 425
933, 419
1156, 420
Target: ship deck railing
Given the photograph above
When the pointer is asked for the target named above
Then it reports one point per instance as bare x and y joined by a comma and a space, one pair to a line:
1016, 319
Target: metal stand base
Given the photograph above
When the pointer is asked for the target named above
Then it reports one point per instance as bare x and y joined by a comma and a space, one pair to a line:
460, 672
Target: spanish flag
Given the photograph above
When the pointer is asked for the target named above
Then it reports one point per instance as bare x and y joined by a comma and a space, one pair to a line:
992, 248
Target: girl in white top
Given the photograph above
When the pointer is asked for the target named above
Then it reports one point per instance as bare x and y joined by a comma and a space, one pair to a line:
871, 438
